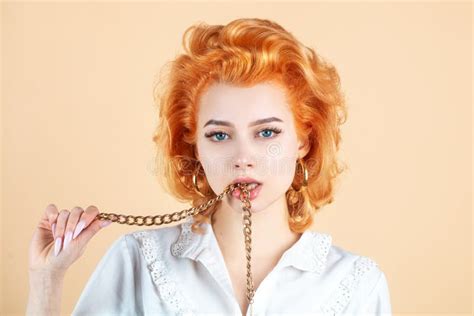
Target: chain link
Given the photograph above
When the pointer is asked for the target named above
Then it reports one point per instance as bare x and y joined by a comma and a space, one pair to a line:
180, 215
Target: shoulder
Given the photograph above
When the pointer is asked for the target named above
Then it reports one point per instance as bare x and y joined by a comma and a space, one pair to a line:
344, 258
359, 266
338, 257
163, 233
338, 264
352, 276
150, 241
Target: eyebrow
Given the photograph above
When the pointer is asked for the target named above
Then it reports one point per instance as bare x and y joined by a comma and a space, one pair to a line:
257, 122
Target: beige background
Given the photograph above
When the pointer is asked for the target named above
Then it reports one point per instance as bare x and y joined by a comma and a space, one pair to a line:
77, 121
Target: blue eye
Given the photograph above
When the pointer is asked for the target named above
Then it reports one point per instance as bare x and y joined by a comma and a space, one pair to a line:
268, 132
219, 136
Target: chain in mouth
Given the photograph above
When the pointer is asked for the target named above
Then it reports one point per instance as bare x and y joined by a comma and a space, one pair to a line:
249, 186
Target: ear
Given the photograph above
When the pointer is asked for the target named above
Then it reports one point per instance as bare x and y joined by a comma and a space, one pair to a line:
303, 147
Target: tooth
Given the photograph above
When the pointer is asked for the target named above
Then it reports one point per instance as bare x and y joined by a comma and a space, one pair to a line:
252, 186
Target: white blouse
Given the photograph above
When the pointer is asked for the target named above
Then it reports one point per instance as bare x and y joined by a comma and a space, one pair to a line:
172, 271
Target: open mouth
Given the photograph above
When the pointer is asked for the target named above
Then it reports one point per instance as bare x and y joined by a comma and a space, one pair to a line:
254, 188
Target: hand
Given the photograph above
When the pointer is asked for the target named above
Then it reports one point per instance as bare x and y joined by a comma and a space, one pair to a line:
61, 238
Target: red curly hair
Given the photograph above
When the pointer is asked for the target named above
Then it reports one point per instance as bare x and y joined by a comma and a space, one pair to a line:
246, 52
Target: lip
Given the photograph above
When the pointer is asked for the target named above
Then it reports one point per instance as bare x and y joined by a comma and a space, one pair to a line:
245, 180
253, 193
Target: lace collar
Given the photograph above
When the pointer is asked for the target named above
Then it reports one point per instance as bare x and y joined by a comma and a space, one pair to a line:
309, 253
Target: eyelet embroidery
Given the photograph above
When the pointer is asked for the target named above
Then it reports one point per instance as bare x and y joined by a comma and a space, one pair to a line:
161, 275
321, 246
314, 257
342, 295
184, 240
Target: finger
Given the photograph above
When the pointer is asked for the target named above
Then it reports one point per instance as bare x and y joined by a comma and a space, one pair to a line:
72, 221
86, 218
59, 233
50, 214
92, 229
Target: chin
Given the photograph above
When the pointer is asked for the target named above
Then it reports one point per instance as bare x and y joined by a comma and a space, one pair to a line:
257, 205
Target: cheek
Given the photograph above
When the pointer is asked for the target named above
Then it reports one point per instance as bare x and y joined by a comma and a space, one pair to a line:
281, 171
279, 155
214, 163
213, 166
277, 173
206, 152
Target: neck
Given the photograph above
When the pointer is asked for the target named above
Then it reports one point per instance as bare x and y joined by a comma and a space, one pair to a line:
271, 234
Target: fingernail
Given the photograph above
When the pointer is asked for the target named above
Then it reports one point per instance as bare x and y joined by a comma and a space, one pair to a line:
105, 223
78, 229
67, 239
53, 228
57, 246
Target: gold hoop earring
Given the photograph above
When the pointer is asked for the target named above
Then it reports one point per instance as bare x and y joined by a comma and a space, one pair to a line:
305, 174
195, 184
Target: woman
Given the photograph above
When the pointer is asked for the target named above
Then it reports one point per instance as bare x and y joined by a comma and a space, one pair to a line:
246, 103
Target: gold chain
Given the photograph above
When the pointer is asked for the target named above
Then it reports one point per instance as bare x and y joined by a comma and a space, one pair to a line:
177, 216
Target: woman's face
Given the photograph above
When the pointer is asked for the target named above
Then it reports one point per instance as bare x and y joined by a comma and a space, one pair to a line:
248, 132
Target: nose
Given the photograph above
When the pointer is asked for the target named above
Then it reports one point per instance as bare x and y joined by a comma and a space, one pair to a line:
243, 157
242, 163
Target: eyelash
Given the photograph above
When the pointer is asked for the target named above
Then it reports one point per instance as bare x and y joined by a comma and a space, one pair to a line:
275, 130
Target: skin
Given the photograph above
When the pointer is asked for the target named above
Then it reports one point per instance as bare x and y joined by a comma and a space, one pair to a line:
261, 154
46, 269
254, 151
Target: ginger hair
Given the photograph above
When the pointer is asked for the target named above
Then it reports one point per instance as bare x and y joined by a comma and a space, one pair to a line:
245, 52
